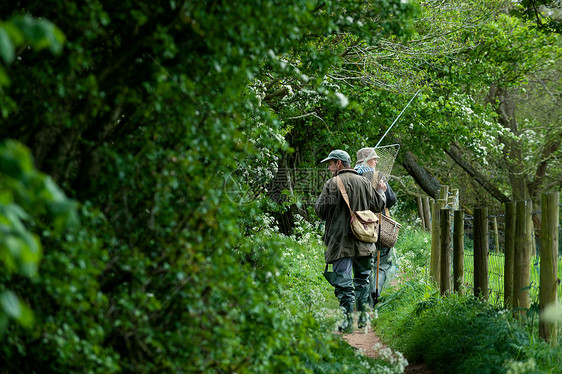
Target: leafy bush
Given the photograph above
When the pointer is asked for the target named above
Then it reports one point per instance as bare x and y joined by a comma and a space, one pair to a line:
29, 201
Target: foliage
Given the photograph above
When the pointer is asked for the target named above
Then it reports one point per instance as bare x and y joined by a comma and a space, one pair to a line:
304, 268
70, 325
458, 333
141, 118
502, 56
29, 201
144, 115
546, 13
23, 31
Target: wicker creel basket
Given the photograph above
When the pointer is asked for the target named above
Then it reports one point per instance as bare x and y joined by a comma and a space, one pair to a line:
389, 232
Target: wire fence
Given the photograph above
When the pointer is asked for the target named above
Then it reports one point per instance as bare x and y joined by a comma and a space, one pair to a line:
496, 250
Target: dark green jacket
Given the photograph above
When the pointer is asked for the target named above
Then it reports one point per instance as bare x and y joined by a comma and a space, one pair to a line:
331, 207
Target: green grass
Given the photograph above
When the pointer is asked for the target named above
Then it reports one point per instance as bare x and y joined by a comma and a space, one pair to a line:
454, 334
457, 334
496, 263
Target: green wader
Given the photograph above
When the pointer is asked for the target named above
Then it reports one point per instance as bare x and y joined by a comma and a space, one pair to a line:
361, 281
385, 269
343, 289
348, 289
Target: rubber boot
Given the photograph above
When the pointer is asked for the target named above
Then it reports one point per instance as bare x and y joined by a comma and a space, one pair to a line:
363, 319
347, 325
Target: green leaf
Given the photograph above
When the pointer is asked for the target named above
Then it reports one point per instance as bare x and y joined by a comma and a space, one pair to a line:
6, 47
15, 160
10, 304
40, 33
15, 309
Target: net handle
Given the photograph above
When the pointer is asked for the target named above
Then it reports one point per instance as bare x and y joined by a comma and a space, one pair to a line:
407, 105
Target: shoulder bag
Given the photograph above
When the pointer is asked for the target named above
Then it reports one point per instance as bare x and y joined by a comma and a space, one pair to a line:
364, 223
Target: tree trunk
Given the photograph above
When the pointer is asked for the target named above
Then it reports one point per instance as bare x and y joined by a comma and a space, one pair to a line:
549, 264
512, 153
481, 280
423, 178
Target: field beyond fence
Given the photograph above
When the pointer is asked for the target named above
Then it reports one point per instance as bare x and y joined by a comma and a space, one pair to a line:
496, 259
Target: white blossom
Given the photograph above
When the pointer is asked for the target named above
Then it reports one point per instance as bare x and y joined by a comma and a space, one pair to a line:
343, 100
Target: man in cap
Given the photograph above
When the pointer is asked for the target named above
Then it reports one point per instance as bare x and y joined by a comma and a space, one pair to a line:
367, 159
344, 252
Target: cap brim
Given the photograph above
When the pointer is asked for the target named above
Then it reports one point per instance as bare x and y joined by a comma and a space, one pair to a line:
326, 159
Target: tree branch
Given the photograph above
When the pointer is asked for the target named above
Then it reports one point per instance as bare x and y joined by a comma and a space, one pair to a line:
456, 155
425, 180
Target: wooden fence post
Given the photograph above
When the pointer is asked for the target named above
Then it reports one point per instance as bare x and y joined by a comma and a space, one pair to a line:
445, 258
454, 199
522, 256
509, 255
496, 235
420, 210
458, 251
533, 243
427, 213
481, 252
434, 269
549, 263
444, 193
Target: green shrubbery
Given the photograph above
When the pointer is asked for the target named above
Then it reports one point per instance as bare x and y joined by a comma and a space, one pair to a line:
260, 305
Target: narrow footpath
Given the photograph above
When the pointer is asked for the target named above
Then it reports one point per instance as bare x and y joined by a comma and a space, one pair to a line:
371, 345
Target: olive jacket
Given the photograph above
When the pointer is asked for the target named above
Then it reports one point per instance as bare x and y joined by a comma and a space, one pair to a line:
331, 207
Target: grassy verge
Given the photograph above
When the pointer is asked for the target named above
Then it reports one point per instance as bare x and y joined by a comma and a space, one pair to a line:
457, 333
306, 298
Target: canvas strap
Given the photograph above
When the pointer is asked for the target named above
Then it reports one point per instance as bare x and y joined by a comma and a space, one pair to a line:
344, 194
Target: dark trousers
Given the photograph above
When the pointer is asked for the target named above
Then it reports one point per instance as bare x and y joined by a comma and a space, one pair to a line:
350, 278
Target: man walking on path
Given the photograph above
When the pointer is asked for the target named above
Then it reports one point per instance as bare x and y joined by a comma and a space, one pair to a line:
367, 159
344, 252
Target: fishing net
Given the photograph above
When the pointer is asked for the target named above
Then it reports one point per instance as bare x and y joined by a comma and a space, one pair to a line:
382, 167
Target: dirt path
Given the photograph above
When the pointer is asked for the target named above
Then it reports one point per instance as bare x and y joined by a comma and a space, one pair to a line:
371, 345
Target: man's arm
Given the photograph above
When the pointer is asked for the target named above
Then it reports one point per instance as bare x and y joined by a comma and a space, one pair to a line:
390, 196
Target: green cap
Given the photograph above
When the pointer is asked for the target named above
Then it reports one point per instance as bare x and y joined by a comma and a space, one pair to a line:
338, 154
